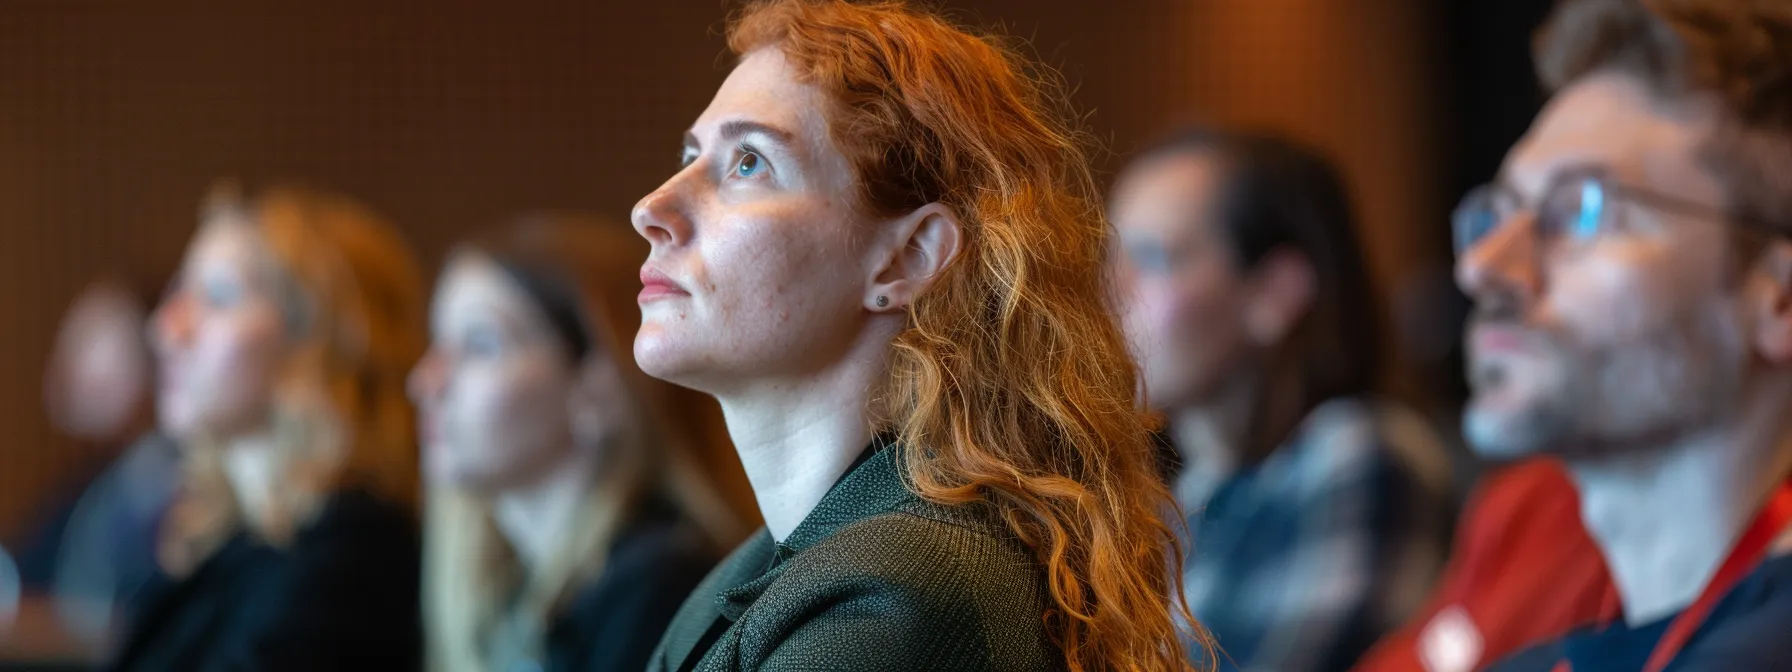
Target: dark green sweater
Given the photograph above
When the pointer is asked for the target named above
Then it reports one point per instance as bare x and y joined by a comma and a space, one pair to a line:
875, 578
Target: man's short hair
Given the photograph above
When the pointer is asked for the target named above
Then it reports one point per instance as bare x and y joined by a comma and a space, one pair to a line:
1737, 52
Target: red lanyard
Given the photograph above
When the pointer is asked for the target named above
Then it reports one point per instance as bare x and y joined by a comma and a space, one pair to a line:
1744, 557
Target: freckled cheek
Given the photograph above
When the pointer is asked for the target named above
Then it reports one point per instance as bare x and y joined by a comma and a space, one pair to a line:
759, 279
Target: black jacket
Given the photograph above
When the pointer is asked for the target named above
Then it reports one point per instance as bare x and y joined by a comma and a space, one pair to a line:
343, 596
614, 622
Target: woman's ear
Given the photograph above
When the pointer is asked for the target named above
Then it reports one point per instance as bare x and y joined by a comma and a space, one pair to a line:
922, 244
1281, 290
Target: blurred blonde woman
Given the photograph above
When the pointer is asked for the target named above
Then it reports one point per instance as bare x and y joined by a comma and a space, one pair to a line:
283, 345
566, 522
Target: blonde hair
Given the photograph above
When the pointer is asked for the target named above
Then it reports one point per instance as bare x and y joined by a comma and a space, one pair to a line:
350, 296
1012, 379
467, 565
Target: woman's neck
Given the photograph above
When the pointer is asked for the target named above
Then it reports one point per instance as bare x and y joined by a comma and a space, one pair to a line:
1666, 518
535, 518
251, 463
1210, 438
797, 438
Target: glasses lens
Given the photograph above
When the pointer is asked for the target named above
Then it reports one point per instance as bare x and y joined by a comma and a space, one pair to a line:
1474, 218
1573, 212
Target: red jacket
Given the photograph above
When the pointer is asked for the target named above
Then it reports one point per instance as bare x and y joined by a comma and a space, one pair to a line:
1524, 571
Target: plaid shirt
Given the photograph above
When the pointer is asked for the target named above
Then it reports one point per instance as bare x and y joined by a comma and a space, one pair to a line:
1299, 563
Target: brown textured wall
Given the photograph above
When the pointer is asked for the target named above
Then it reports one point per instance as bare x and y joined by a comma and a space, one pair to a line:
1353, 79
448, 116
116, 115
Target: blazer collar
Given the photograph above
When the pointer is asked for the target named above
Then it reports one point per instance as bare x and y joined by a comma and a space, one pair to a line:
873, 486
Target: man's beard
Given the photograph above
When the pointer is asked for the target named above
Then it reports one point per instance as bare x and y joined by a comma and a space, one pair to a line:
1586, 401
1533, 422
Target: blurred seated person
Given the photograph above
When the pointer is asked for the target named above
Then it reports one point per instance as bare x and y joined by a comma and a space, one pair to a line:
284, 343
1317, 513
567, 521
96, 551
1632, 275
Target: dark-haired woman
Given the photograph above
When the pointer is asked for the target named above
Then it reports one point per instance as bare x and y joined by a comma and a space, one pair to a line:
1317, 512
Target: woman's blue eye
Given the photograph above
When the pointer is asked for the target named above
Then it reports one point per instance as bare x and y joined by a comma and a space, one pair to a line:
748, 165
482, 344
1149, 258
220, 294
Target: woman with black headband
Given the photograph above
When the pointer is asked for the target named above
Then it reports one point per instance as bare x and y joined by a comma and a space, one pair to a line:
566, 521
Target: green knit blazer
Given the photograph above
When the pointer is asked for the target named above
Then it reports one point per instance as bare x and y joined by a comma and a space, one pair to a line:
874, 579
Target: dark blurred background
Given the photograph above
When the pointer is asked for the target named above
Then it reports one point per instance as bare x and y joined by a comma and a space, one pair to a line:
116, 115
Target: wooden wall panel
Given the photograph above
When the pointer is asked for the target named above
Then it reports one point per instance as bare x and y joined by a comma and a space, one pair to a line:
116, 115
1357, 81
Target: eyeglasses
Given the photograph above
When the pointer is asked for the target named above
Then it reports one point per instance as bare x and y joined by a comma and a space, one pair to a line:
1575, 209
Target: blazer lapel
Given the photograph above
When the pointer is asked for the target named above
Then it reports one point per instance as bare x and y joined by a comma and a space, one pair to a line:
744, 565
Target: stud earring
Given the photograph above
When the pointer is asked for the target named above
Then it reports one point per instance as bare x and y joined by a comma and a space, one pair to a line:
882, 301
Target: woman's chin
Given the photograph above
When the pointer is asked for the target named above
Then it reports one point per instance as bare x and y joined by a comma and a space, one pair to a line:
176, 422
661, 357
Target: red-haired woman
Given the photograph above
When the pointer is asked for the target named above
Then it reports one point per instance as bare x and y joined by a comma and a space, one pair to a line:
283, 345
883, 255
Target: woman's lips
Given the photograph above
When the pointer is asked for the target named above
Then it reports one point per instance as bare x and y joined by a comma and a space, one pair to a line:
656, 285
